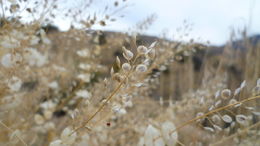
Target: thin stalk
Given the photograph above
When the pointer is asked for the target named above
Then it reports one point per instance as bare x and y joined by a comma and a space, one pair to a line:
236, 134
209, 113
13, 131
103, 105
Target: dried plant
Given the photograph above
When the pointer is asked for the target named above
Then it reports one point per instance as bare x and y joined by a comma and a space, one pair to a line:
81, 87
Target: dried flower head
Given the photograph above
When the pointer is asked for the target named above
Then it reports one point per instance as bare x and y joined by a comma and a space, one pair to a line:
127, 54
232, 101
227, 119
258, 82
141, 68
215, 118
226, 93
209, 129
141, 50
241, 119
56, 143
126, 67
118, 62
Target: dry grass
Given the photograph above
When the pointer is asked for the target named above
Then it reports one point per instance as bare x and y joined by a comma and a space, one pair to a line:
103, 88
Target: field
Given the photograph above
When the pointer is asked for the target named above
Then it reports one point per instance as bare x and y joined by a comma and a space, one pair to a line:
86, 87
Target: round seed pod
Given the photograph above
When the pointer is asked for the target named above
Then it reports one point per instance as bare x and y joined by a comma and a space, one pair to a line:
141, 68
141, 49
126, 67
226, 93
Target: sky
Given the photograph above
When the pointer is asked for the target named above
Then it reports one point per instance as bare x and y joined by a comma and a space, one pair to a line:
208, 20
211, 20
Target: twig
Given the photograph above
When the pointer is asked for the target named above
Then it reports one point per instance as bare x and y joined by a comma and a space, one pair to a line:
236, 134
103, 105
211, 112
12, 132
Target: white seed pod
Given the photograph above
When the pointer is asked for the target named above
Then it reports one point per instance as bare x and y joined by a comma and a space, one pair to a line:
49, 126
218, 103
258, 82
217, 128
127, 54
14, 83
232, 101
9, 60
56, 143
211, 107
243, 84
118, 62
141, 50
237, 91
227, 119
112, 71
209, 129
241, 119
249, 108
126, 67
141, 68
38, 119
256, 90
83, 53
256, 113
217, 94
149, 137
68, 136
226, 93
169, 137
83, 94
85, 77
215, 118
153, 44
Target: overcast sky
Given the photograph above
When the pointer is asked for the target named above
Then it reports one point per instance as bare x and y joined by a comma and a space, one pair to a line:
211, 19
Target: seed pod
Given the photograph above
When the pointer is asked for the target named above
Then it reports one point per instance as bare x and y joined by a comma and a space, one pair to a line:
256, 90
216, 119
226, 93
258, 82
118, 62
227, 118
232, 101
126, 67
153, 44
217, 128
118, 77
127, 54
241, 119
141, 68
209, 129
141, 50
112, 71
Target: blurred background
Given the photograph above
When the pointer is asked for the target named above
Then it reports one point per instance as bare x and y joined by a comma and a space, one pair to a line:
209, 20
